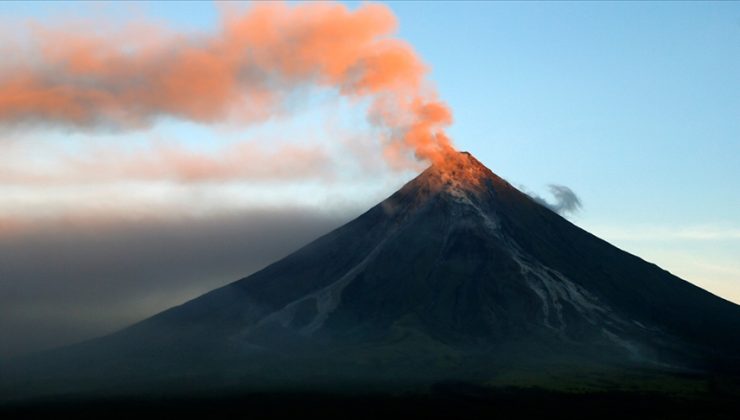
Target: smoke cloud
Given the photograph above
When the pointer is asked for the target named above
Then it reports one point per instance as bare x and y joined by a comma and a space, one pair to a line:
249, 70
70, 267
566, 201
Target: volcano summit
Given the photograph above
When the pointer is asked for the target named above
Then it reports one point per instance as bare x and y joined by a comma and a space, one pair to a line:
458, 276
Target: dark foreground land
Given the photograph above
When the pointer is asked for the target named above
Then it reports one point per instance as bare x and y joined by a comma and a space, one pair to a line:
453, 401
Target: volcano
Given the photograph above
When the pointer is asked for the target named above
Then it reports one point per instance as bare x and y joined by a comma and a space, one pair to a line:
458, 276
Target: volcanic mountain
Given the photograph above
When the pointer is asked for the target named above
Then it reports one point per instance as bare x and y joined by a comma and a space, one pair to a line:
458, 276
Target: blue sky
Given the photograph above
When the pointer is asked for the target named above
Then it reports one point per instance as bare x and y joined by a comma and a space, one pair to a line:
634, 106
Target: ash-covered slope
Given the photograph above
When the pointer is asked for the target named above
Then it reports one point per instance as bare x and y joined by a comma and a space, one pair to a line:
457, 276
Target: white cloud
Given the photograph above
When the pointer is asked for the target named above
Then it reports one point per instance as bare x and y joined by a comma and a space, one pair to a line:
667, 233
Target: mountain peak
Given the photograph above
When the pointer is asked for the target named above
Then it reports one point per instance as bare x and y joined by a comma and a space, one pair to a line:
460, 165
457, 172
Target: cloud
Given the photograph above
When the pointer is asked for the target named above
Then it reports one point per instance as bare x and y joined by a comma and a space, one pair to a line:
566, 201
167, 161
650, 233
108, 75
68, 279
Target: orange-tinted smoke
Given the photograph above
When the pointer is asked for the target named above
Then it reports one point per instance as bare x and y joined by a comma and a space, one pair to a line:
246, 71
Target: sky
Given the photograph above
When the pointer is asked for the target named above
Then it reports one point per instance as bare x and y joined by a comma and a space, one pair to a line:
125, 206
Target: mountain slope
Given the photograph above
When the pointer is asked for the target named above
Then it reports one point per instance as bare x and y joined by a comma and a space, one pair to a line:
457, 276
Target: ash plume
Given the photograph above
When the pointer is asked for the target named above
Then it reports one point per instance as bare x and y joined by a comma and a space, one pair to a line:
91, 75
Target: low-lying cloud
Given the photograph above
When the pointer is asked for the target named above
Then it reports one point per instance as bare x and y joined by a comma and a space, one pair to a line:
65, 280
